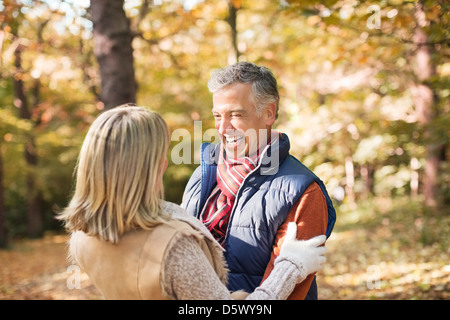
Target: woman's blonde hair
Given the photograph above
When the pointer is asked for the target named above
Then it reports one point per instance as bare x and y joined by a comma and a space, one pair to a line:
119, 174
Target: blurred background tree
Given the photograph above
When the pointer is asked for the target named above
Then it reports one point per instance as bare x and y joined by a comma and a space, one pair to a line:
364, 90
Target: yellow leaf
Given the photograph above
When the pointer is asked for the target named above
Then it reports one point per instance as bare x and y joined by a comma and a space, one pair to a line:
236, 3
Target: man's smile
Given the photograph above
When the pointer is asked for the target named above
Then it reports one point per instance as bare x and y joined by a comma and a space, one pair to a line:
234, 139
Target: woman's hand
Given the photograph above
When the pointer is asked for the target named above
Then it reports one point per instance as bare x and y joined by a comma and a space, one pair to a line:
307, 255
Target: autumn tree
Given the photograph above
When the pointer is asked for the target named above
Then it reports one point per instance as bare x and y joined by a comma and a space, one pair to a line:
364, 93
425, 99
3, 234
26, 98
34, 197
233, 8
380, 89
113, 49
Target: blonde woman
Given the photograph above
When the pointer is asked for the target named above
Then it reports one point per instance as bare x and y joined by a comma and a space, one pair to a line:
133, 244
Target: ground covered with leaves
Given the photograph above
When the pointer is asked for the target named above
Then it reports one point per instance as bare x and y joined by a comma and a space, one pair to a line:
378, 250
388, 250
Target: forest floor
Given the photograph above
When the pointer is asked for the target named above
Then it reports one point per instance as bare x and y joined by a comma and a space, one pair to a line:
380, 250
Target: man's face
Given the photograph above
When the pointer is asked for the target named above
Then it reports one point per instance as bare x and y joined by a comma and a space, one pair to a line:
237, 122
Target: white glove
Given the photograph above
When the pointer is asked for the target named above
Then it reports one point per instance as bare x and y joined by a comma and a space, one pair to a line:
307, 255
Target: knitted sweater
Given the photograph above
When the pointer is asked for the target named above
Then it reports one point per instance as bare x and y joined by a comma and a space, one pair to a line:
189, 276
176, 260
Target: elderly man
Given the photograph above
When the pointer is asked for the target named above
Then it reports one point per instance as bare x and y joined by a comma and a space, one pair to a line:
248, 187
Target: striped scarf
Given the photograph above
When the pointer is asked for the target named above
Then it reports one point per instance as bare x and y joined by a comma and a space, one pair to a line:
230, 175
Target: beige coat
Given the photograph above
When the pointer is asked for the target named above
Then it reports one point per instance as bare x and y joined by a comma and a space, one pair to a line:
133, 268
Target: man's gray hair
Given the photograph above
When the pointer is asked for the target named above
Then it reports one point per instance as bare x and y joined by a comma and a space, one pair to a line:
264, 84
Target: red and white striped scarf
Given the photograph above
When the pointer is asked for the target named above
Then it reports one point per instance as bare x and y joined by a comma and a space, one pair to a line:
230, 175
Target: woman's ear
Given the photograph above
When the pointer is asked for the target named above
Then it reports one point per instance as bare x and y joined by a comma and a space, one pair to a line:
166, 162
163, 170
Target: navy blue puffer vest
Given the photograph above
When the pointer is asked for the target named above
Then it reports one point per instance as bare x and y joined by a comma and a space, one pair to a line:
261, 206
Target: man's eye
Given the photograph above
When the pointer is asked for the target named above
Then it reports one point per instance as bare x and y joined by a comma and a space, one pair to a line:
236, 115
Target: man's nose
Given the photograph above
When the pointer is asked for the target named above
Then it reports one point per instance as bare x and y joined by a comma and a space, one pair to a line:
224, 126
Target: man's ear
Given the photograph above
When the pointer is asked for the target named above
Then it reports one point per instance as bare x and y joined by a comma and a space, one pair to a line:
270, 113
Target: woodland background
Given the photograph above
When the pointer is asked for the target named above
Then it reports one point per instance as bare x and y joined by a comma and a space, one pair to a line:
364, 99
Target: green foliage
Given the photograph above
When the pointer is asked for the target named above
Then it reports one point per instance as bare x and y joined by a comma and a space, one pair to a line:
345, 88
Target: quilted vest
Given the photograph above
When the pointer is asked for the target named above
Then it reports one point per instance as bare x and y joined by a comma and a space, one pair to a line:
261, 206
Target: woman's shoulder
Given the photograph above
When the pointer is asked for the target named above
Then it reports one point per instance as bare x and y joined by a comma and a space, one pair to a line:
172, 208
178, 214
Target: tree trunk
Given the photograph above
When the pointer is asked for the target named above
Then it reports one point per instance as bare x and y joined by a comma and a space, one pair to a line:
233, 7
414, 183
350, 181
3, 235
424, 99
114, 52
367, 172
34, 202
